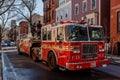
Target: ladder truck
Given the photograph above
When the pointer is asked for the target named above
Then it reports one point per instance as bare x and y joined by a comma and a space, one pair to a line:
69, 45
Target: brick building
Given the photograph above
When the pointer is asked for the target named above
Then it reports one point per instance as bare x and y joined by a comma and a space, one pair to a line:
64, 10
49, 11
13, 34
115, 26
36, 18
23, 27
96, 12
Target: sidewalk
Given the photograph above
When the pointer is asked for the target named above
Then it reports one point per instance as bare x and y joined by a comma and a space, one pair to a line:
115, 60
0, 69
113, 70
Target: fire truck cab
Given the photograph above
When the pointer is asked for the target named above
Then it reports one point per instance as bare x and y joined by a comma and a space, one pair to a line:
70, 45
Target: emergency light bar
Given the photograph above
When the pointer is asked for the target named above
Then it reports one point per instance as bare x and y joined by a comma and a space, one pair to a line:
71, 21
67, 21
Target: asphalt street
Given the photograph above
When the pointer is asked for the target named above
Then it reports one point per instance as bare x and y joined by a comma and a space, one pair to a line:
26, 69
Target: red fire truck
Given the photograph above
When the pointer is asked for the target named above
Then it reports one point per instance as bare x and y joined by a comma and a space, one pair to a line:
70, 45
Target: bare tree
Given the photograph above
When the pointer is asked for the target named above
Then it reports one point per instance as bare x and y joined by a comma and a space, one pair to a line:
4, 18
26, 10
5, 5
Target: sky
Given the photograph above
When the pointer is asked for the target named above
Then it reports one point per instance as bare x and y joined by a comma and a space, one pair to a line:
39, 8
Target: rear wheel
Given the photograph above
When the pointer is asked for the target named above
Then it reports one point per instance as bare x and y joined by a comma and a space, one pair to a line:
19, 52
52, 62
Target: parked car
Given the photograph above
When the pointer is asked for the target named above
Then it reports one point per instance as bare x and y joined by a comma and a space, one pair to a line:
13, 43
3, 44
6, 42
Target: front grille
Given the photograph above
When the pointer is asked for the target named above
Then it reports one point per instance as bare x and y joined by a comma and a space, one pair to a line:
89, 51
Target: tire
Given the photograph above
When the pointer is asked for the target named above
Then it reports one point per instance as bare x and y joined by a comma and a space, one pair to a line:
19, 52
33, 56
52, 62
87, 71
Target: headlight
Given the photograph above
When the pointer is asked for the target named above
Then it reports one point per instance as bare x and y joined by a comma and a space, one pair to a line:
76, 50
101, 50
104, 65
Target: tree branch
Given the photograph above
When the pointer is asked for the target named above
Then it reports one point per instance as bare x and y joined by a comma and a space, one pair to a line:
7, 6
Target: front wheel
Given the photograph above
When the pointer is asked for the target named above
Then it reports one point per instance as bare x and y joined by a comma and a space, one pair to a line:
52, 62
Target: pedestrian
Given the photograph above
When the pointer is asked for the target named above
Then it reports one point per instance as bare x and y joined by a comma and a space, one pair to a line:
33, 29
39, 25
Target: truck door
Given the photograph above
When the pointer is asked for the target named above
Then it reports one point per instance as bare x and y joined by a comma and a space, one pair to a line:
60, 45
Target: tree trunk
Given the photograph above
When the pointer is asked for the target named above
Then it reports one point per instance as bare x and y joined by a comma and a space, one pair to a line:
0, 38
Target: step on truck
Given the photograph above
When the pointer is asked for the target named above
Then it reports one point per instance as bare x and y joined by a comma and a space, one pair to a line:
68, 45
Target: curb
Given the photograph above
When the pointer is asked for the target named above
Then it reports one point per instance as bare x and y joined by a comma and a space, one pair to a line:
115, 63
112, 74
7, 69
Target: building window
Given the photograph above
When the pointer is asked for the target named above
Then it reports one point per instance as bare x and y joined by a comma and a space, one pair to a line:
93, 5
88, 21
61, 17
47, 6
61, 2
52, 1
92, 21
76, 9
118, 22
84, 6
57, 18
49, 16
66, 16
53, 14
45, 18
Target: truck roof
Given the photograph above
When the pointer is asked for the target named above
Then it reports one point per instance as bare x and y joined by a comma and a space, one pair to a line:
75, 24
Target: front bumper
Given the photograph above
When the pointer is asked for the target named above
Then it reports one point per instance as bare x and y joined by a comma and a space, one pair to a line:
87, 64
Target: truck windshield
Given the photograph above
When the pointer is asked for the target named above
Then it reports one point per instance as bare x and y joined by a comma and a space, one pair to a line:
77, 33
96, 34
